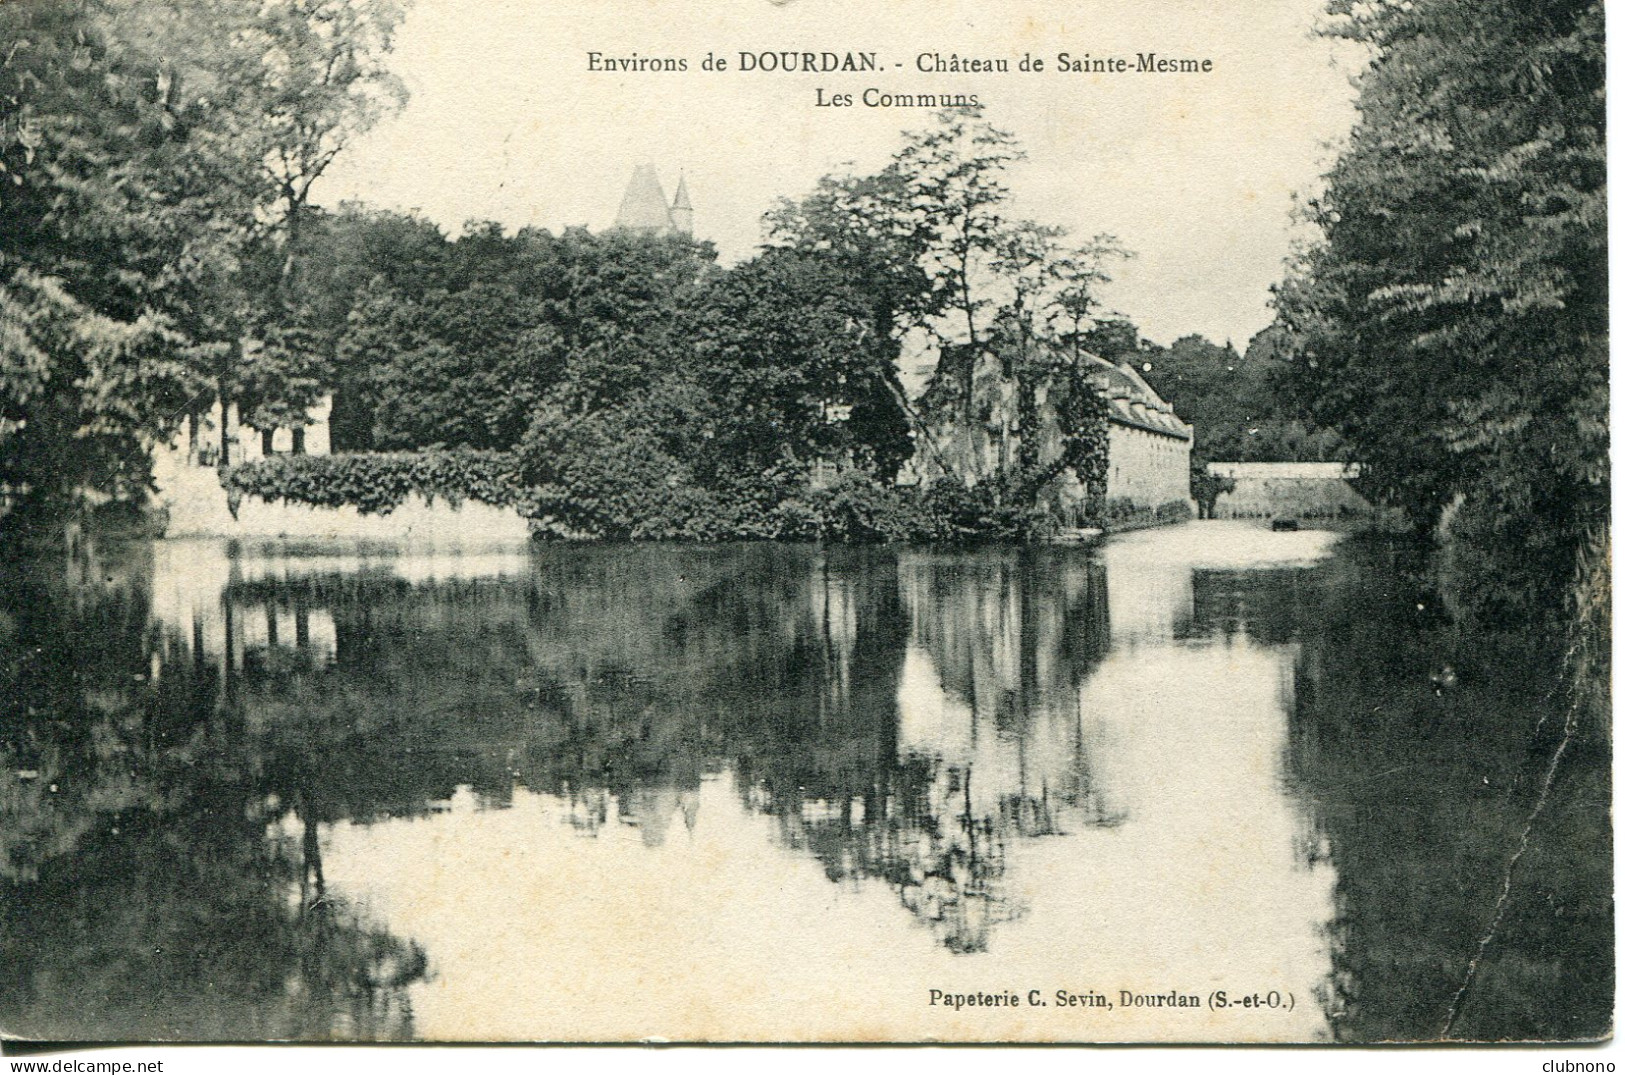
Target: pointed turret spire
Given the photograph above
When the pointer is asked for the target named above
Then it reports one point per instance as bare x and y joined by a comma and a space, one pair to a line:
682, 210
644, 206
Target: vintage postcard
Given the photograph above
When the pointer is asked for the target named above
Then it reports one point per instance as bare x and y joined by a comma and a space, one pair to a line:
805, 521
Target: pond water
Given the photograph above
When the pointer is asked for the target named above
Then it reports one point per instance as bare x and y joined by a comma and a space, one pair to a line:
781, 792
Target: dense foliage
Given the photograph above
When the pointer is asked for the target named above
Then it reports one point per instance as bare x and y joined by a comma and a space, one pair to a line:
378, 482
92, 282
651, 394
155, 167
81, 390
1452, 323
492, 327
705, 420
999, 304
625, 491
162, 254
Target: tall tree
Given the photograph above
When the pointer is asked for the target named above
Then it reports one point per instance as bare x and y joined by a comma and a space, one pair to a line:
311, 78
796, 370
922, 234
954, 173
933, 238
120, 223
861, 225
1452, 323
1073, 307
151, 155
347, 258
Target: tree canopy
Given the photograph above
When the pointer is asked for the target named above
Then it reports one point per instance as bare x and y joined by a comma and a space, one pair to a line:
145, 182
1451, 324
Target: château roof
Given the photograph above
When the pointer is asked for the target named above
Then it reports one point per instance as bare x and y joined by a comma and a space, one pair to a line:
644, 206
681, 200
1130, 400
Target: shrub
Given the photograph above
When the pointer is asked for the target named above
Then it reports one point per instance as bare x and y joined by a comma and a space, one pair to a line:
1173, 511
856, 509
1121, 512
610, 476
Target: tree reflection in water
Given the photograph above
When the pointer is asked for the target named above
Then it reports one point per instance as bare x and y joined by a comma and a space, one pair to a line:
158, 884
220, 736
903, 719
1424, 785
921, 770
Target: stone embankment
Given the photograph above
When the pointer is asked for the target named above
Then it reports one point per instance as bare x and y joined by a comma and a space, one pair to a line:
196, 506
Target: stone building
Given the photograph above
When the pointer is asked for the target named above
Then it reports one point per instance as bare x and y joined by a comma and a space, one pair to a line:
1149, 458
1148, 452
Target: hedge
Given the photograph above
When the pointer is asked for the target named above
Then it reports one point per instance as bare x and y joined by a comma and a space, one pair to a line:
376, 483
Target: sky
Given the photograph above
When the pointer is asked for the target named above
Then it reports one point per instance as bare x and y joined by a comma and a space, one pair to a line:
1196, 174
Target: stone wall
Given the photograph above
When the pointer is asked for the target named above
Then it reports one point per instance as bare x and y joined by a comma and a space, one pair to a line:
196, 507
1301, 490
1151, 469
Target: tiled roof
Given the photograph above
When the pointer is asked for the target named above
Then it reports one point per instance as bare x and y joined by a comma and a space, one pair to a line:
1131, 401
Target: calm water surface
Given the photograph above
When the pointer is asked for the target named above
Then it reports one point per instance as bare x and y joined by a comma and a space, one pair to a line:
782, 792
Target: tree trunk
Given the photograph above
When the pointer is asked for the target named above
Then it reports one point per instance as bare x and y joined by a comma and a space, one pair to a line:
225, 427
968, 374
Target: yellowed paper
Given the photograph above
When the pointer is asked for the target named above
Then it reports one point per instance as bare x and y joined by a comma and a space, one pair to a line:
329, 774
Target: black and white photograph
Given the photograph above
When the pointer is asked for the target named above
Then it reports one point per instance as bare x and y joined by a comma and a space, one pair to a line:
1068, 522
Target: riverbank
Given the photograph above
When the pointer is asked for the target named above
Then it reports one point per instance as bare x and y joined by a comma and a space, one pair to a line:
487, 497
194, 505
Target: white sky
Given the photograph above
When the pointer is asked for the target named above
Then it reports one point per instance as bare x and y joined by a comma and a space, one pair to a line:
1195, 173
